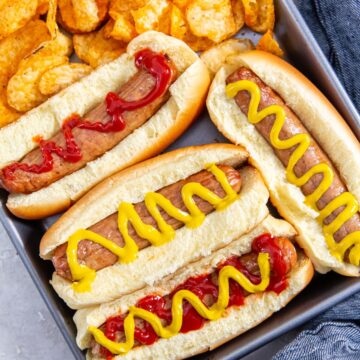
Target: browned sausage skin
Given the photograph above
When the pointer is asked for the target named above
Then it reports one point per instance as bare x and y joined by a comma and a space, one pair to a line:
97, 257
92, 144
314, 155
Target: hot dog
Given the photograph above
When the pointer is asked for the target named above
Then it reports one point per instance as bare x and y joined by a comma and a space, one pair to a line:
313, 156
92, 144
288, 126
217, 295
82, 135
173, 202
97, 257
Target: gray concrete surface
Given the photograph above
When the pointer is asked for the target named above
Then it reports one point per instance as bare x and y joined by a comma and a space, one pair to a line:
27, 330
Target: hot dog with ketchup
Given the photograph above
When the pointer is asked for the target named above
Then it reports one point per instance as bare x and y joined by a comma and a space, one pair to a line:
305, 151
147, 221
204, 304
120, 114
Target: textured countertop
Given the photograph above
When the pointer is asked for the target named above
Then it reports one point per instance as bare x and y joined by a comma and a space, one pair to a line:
27, 330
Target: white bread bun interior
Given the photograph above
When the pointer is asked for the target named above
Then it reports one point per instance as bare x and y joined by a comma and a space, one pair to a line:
323, 122
155, 262
187, 97
215, 57
237, 320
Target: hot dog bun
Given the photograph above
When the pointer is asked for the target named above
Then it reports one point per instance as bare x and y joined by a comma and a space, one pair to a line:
187, 97
320, 118
153, 263
256, 309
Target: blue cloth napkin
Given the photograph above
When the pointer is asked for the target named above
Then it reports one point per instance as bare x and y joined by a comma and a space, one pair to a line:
333, 335
335, 24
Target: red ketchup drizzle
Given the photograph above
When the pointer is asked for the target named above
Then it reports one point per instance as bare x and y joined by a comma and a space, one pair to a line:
237, 295
204, 287
112, 325
267, 244
154, 63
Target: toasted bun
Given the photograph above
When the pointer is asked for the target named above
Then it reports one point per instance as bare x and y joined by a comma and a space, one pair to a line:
321, 119
153, 263
237, 320
187, 98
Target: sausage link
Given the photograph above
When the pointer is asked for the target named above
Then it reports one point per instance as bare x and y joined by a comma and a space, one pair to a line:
288, 252
97, 257
313, 156
92, 144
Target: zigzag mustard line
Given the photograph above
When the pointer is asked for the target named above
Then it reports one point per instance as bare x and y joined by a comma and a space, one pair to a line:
84, 276
302, 143
213, 313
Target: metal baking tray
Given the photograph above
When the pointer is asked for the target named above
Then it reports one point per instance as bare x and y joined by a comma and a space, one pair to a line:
324, 291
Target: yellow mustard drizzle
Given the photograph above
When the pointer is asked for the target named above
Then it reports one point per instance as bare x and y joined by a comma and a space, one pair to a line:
213, 313
83, 275
303, 142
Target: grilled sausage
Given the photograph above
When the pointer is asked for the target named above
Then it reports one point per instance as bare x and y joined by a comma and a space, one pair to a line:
92, 144
313, 156
97, 257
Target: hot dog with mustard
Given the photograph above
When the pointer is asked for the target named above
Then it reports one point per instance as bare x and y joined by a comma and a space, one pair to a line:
305, 151
146, 222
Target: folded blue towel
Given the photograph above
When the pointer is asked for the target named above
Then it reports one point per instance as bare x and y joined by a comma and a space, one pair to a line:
329, 340
333, 335
335, 24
